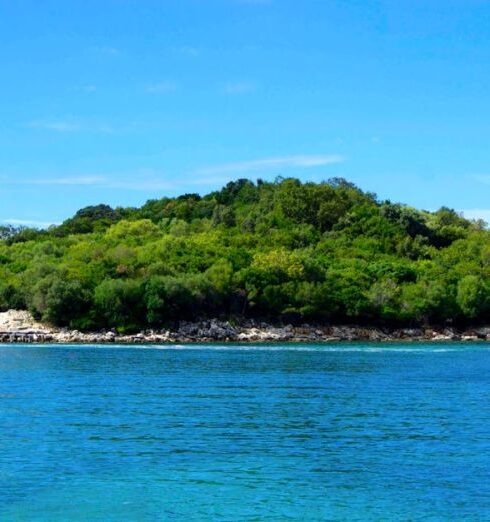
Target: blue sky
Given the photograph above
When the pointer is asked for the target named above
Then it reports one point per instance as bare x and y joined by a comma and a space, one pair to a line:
120, 101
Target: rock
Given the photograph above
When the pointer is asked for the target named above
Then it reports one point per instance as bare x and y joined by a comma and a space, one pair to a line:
20, 327
449, 332
482, 333
441, 337
21, 321
412, 332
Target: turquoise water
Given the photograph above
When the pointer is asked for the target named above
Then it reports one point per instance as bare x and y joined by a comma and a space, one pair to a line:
267, 433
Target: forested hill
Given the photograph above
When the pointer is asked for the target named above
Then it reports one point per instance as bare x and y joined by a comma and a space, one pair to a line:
281, 251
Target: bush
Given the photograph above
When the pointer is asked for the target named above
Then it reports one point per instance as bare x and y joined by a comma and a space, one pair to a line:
59, 301
119, 304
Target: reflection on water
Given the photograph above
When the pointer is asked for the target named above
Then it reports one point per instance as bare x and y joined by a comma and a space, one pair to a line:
349, 432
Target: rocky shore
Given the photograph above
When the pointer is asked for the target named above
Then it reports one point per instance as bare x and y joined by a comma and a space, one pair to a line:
20, 327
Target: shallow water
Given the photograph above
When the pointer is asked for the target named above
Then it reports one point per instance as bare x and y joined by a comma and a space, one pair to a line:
253, 433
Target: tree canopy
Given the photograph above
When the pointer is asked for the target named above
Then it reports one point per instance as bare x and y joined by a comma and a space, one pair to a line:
283, 250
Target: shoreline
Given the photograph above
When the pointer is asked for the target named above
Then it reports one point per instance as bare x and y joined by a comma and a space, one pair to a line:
19, 327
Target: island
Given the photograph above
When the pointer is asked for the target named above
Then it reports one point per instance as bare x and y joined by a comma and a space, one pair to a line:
254, 261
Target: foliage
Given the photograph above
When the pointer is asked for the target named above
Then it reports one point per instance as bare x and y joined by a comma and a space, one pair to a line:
284, 250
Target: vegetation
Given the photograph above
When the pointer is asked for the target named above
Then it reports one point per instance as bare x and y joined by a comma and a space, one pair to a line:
286, 250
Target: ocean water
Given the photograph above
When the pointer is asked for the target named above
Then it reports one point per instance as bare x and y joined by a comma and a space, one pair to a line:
258, 433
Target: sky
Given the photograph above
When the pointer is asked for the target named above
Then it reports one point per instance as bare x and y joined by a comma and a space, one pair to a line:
121, 101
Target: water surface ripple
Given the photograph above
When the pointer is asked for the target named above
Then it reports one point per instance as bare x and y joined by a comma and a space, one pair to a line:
245, 433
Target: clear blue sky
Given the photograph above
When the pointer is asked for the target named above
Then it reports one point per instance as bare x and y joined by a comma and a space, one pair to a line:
120, 101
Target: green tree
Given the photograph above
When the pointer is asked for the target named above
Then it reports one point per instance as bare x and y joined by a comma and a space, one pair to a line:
473, 296
119, 303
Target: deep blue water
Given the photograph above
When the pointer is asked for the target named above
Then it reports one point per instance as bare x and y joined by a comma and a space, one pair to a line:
307, 433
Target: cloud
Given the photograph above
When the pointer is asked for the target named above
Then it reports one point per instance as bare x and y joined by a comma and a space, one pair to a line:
143, 179
239, 88
79, 180
155, 184
477, 213
29, 223
161, 87
483, 179
284, 162
187, 50
63, 180
150, 179
55, 125
151, 183
108, 51
252, 2
67, 126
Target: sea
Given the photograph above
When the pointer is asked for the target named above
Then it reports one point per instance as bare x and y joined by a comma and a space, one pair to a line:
305, 432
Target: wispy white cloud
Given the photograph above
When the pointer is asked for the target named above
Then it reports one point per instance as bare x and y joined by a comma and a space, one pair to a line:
477, 213
55, 125
88, 88
284, 162
151, 179
187, 50
70, 126
29, 223
129, 182
77, 180
107, 50
149, 184
161, 87
239, 87
256, 2
483, 178
143, 179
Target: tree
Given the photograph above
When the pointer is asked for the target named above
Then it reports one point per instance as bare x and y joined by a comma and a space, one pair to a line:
473, 296
119, 303
282, 250
59, 301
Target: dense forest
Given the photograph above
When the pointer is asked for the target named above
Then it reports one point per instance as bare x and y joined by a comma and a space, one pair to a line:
279, 251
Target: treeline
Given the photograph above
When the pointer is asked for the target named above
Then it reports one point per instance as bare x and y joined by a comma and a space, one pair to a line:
286, 251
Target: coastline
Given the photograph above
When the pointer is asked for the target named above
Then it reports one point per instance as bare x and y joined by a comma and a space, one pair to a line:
20, 327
